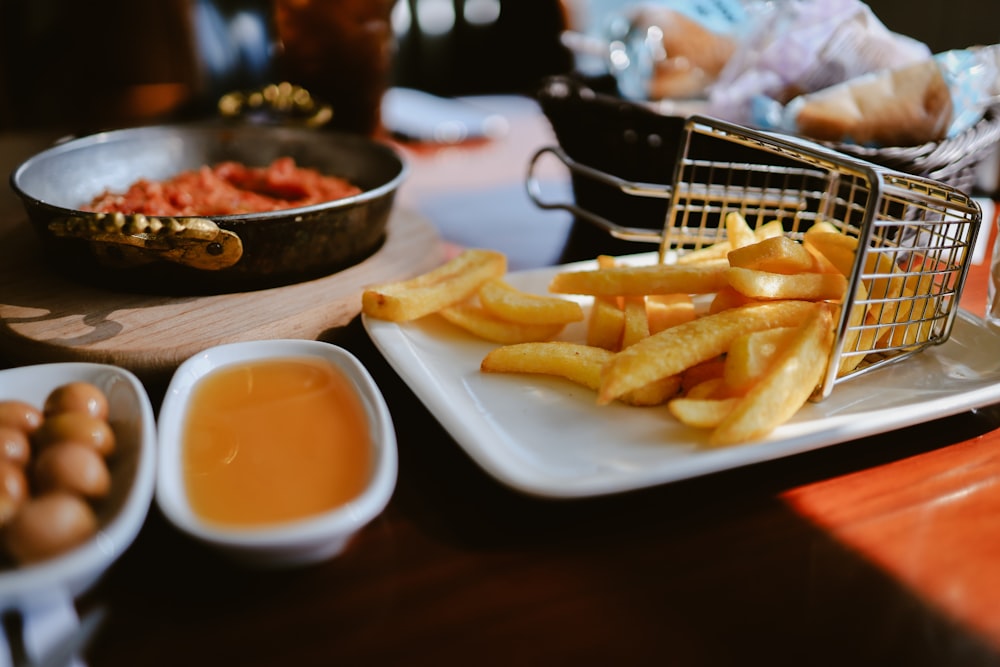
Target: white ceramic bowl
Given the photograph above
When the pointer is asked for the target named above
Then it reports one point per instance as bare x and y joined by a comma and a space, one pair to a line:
291, 543
133, 477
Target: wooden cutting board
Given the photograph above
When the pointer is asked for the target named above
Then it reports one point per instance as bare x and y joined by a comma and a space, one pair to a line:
44, 317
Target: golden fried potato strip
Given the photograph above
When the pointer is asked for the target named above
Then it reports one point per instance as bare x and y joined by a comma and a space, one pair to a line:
643, 280
769, 230
727, 298
476, 320
709, 253
509, 303
701, 412
838, 248
674, 350
799, 286
778, 254
575, 362
636, 320
453, 282
668, 310
856, 338
710, 388
700, 373
913, 317
751, 356
738, 231
785, 387
720, 249
606, 324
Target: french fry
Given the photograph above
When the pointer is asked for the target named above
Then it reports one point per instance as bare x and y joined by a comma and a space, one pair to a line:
636, 321
710, 388
509, 303
856, 338
668, 310
800, 286
738, 231
674, 350
453, 282
606, 324
821, 263
913, 317
727, 298
643, 280
751, 355
607, 319
769, 229
476, 320
835, 250
654, 393
778, 254
704, 413
710, 253
785, 388
838, 248
720, 249
699, 373
885, 285
738, 370
823, 226
578, 363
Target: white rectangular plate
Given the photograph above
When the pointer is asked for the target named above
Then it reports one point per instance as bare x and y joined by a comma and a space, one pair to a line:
547, 437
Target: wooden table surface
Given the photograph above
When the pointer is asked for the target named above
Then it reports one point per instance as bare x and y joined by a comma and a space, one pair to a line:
880, 551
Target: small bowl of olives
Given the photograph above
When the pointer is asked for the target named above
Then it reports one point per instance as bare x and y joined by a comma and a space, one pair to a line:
77, 476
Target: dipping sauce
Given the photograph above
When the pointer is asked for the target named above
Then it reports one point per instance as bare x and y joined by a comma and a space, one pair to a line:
273, 441
228, 188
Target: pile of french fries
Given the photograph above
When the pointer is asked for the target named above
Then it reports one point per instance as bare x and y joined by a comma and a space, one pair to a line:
736, 368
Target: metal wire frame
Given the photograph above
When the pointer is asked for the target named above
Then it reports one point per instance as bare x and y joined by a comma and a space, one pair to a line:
914, 237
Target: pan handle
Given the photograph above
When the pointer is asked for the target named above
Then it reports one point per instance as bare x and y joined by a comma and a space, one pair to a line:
135, 239
628, 187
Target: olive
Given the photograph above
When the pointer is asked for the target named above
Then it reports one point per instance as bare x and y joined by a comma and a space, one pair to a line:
21, 415
14, 445
77, 396
71, 466
48, 525
13, 490
76, 427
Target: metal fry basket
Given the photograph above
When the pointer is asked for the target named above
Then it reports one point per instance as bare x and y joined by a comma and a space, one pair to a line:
914, 236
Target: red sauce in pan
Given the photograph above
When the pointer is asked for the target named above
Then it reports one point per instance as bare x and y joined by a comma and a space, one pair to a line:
227, 188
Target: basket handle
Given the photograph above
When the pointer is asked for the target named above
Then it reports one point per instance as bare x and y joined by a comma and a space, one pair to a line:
628, 187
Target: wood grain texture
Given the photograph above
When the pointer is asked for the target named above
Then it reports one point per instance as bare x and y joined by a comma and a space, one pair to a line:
45, 317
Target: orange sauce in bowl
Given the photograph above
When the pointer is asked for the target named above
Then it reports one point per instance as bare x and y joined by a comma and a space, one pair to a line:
272, 441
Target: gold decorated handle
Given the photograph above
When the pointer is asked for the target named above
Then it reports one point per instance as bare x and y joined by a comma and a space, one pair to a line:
283, 102
135, 239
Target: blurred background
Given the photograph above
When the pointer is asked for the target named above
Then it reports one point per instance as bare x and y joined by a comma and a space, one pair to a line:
107, 63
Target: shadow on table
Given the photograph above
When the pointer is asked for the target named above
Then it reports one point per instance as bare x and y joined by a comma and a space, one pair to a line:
716, 570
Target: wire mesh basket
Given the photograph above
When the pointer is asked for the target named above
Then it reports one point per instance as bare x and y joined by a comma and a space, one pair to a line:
914, 236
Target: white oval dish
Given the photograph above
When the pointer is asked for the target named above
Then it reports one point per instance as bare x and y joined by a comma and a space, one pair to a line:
292, 543
50, 585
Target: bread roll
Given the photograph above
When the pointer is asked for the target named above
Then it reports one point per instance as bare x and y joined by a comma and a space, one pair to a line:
694, 55
904, 106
